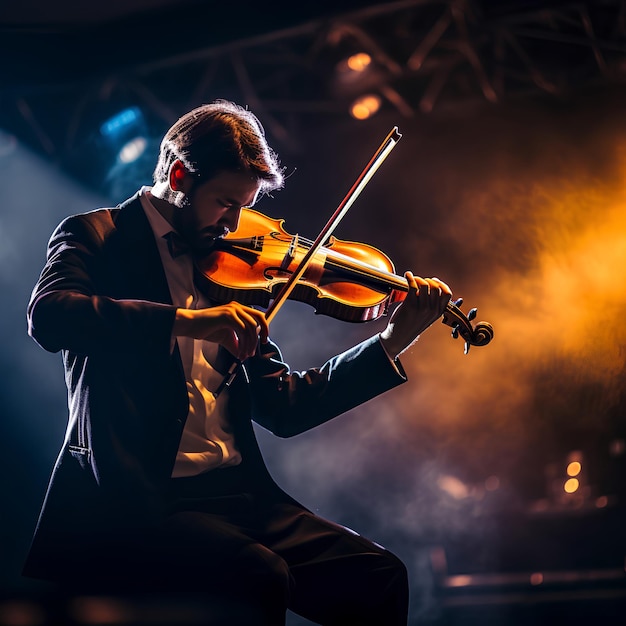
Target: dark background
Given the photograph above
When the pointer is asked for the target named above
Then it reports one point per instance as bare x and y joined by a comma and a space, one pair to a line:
508, 184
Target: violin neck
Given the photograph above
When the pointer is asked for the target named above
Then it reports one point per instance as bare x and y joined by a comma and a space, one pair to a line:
374, 278
368, 276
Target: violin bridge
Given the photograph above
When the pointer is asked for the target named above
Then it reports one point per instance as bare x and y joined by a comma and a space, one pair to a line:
290, 254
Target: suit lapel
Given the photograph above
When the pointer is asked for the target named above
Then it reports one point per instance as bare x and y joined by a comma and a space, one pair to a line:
142, 264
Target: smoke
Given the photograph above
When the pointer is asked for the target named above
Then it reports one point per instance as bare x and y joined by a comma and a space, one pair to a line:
528, 223
559, 299
526, 220
34, 198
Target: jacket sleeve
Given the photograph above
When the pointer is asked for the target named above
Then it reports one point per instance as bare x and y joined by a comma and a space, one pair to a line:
288, 403
67, 309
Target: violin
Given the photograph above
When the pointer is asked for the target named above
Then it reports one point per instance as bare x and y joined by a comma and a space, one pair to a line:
348, 281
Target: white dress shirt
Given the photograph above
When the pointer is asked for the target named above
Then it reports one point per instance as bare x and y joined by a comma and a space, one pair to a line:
207, 441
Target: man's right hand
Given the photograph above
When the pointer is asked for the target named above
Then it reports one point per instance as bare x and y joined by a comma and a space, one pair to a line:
235, 326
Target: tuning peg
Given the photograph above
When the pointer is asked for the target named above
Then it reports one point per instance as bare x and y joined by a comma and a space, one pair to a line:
455, 332
472, 314
458, 302
467, 347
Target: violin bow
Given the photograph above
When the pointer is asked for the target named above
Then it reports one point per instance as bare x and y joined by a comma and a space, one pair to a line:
388, 144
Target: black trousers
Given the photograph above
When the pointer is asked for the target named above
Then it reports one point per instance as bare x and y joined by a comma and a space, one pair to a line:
257, 557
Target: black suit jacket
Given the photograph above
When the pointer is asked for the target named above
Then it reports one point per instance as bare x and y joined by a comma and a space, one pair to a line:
103, 300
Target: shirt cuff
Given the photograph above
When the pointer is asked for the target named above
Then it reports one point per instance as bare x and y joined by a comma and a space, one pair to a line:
392, 360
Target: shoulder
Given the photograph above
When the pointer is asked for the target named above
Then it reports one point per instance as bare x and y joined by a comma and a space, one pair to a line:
98, 220
97, 224
101, 220
93, 226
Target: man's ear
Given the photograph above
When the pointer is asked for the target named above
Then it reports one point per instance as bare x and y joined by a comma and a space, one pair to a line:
177, 175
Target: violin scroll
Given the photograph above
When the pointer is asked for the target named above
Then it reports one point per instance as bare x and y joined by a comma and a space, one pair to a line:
479, 335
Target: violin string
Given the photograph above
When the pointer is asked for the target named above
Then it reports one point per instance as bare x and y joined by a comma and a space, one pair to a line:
360, 267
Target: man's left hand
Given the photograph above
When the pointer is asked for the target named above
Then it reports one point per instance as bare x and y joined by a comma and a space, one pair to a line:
425, 303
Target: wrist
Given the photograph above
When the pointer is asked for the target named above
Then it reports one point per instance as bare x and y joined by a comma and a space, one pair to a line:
183, 322
391, 346
386, 341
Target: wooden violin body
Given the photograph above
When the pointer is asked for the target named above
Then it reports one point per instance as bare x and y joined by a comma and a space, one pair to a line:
349, 281
251, 265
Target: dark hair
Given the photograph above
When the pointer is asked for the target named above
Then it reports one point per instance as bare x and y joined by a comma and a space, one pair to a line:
221, 136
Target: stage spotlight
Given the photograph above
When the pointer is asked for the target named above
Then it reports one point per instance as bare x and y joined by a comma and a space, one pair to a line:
568, 487
365, 106
574, 468
120, 122
357, 73
132, 149
125, 132
118, 149
357, 63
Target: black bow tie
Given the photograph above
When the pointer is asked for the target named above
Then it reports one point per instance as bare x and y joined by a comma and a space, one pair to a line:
176, 244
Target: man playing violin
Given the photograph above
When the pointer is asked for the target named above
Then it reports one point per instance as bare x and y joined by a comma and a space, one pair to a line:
160, 484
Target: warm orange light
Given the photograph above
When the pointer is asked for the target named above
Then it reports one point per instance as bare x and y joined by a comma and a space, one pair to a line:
359, 62
453, 486
571, 485
536, 578
573, 468
365, 106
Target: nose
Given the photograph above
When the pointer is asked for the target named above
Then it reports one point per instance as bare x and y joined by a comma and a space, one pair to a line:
232, 218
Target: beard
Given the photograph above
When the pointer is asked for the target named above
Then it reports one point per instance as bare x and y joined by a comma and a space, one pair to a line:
205, 240
200, 240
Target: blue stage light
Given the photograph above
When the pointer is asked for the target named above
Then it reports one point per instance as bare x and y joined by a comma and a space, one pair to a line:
121, 123
125, 133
